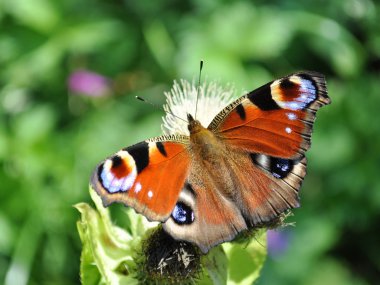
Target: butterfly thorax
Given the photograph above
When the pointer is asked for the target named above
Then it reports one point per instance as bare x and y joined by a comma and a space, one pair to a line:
204, 144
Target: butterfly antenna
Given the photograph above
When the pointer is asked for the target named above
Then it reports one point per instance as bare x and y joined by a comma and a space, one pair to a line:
198, 88
159, 107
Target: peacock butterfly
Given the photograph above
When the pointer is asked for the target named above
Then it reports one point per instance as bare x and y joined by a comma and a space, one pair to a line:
242, 171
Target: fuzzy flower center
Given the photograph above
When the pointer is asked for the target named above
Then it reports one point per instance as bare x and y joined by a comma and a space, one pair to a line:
182, 100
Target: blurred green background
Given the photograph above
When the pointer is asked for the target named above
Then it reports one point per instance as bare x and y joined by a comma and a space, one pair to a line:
69, 71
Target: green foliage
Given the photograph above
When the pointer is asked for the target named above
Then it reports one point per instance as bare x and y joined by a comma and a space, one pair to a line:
112, 255
51, 137
107, 249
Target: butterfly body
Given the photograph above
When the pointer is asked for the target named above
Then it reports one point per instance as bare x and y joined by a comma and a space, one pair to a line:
204, 145
241, 171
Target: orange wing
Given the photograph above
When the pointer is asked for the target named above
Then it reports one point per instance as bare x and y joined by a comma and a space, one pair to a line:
203, 215
147, 176
275, 119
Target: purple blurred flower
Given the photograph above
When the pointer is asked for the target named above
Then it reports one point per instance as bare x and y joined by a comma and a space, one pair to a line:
278, 242
89, 83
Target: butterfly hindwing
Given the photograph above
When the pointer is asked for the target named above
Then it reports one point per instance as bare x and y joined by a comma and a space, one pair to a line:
203, 215
147, 176
269, 186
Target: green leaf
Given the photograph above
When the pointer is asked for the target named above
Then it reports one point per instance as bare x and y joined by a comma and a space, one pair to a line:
106, 248
246, 259
40, 15
215, 265
235, 263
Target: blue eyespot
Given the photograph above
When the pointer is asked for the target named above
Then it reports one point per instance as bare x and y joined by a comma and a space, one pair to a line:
280, 168
182, 214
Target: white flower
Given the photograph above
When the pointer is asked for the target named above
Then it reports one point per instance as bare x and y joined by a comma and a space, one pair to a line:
182, 100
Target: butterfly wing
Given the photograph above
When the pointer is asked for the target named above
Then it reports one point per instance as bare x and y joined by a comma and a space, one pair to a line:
271, 126
275, 119
203, 215
265, 134
147, 176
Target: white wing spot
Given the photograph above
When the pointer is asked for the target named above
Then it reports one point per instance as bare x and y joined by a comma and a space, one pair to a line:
150, 194
291, 116
288, 130
138, 187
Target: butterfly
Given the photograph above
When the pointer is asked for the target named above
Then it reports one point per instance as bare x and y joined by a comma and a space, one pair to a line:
241, 171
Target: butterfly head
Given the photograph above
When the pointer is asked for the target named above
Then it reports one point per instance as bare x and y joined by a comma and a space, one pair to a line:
194, 125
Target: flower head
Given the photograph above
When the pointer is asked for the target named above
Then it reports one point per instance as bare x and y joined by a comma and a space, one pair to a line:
182, 100
89, 83
278, 242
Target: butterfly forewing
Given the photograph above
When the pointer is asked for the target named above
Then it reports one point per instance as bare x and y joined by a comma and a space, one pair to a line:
275, 119
147, 176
